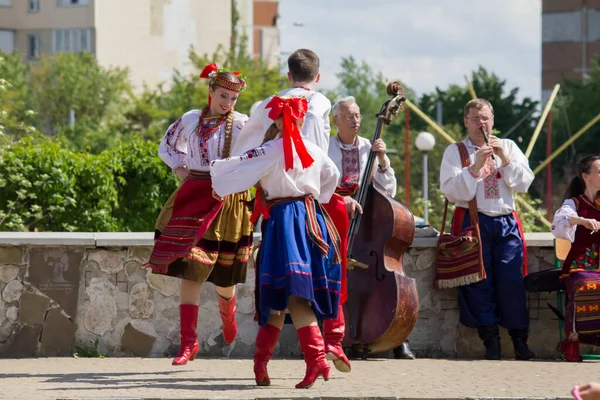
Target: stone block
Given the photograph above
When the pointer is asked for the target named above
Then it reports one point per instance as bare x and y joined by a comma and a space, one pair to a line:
12, 291
139, 343
139, 254
58, 335
140, 301
55, 271
11, 255
33, 308
12, 313
165, 285
100, 316
8, 273
133, 268
109, 262
25, 342
426, 259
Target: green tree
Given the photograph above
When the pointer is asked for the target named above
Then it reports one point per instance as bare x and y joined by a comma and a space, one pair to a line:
16, 115
68, 81
513, 119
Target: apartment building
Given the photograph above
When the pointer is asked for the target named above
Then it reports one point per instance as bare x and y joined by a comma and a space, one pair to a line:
150, 37
259, 23
570, 39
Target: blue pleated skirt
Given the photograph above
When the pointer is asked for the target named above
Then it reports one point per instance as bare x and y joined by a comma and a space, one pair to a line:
292, 265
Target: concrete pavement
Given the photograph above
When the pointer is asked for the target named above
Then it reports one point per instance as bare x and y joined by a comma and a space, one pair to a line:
155, 378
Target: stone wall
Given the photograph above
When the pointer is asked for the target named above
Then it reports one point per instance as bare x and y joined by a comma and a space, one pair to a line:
61, 291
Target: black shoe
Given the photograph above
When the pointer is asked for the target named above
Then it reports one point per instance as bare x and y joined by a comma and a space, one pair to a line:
403, 352
519, 339
491, 340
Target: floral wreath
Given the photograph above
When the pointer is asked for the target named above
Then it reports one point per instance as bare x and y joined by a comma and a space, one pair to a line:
211, 72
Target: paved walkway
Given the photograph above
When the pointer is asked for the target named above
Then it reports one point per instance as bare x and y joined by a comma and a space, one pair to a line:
135, 378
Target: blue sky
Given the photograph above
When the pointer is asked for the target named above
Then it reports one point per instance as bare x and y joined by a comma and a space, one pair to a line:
425, 43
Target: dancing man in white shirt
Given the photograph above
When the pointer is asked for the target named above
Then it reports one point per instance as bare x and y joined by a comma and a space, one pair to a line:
499, 299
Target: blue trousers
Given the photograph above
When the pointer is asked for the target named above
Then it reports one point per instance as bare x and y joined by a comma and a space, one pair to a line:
500, 298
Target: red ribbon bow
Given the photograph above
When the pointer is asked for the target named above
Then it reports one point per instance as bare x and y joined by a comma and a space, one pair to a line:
292, 109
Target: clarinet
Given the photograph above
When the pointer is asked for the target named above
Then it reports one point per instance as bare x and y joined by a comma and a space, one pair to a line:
485, 139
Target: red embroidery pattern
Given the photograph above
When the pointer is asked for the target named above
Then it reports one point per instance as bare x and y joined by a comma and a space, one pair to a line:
206, 128
491, 188
256, 152
350, 168
173, 136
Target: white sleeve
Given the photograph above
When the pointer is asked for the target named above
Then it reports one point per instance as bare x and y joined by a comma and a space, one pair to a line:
320, 105
516, 174
456, 183
329, 179
239, 173
173, 146
253, 132
314, 131
387, 178
561, 226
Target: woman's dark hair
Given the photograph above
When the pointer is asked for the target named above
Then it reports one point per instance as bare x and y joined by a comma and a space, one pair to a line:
577, 185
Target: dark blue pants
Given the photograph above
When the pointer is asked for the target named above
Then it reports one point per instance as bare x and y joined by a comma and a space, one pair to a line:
500, 298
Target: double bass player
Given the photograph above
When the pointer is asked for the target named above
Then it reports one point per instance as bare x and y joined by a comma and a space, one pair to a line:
349, 152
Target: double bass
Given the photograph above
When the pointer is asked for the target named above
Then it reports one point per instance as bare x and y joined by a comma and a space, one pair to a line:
382, 305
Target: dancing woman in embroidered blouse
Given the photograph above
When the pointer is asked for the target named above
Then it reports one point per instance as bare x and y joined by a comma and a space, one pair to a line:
299, 258
199, 238
578, 220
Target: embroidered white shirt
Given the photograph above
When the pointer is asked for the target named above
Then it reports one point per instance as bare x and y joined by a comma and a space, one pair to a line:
495, 184
561, 225
316, 124
350, 158
265, 164
185, 144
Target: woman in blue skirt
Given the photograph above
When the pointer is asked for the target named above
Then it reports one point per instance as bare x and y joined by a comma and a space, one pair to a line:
299, 258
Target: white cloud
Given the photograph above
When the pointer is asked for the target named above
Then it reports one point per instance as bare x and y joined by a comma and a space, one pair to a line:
426, 43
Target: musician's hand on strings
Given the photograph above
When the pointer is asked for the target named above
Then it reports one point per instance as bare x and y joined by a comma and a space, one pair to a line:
352, 206
379, 148
496, 144
481, 157
217, 197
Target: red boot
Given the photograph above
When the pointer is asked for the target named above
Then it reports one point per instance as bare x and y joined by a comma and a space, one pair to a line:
333, 333
266, 340
313, 347
571, 348
188, 317
227, 311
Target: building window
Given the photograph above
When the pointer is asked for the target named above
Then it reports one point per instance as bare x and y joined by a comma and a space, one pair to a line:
34, 6
72, 40
33, 52
71, 3
5, 3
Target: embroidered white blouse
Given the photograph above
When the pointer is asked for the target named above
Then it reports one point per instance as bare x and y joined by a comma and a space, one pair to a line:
350, 159
194, 143
561, 226
493, 186
316, 125
265, 164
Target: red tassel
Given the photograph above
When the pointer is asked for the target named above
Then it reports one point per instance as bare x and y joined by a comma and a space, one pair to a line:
498, 175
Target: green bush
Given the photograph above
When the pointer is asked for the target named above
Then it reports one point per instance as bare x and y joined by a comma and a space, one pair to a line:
46, 187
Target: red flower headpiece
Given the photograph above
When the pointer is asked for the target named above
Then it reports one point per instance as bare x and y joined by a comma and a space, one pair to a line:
293, 109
